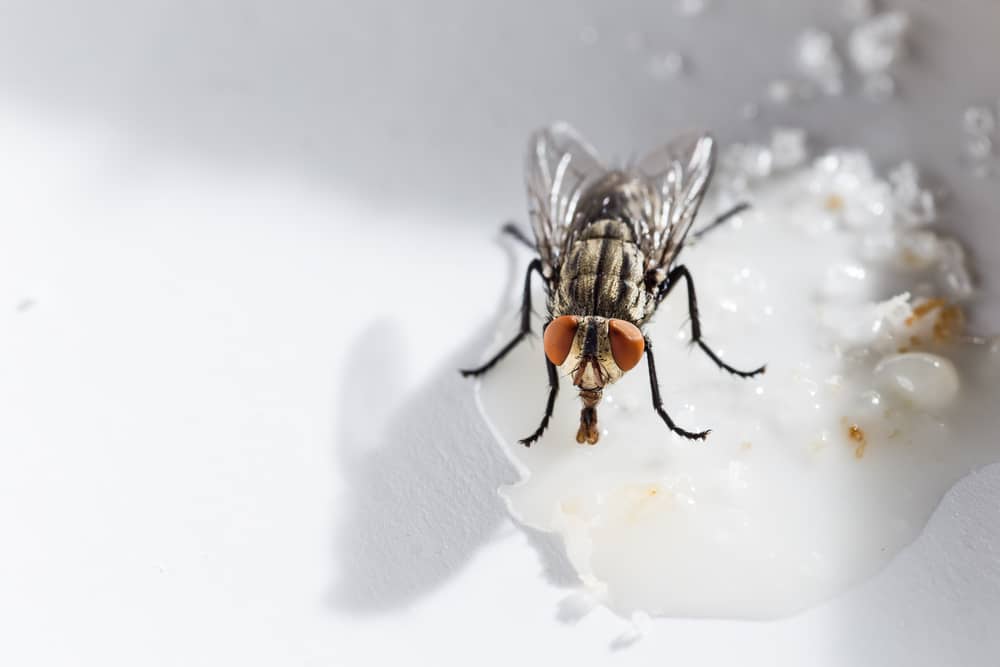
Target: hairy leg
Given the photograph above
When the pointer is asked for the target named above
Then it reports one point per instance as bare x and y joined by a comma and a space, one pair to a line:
675, 275
721, 219
549, 405
536, 265
654, 388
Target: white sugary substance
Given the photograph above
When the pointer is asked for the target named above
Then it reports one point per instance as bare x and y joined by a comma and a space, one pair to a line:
979, 123
788, 148
979, 120
874, 46
818, 60
816, 473
780, 91
878, 42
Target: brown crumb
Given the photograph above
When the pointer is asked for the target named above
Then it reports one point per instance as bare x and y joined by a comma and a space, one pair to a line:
912, 259
948, 322
858, 436
923, 308
833, 202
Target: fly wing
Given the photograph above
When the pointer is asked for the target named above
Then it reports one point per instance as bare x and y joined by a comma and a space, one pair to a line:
561, 166
677, 175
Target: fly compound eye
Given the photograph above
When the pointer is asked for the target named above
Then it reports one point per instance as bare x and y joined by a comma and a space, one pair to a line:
558, 338
627, 344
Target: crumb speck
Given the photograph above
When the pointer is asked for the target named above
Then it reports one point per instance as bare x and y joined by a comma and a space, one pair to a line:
978, 147
570, 506
788, 148
948, 322
922, 309
877, 43
856, 434
780, 91
979, 120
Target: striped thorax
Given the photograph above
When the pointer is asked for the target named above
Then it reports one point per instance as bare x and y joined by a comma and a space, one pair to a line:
601, 298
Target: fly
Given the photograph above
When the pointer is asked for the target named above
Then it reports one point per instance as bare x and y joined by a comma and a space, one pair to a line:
607, 242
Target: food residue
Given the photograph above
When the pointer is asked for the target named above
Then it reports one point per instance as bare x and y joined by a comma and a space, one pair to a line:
837, 279
858, 436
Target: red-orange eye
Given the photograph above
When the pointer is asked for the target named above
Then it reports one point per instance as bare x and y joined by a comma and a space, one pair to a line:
558, 338
627, 344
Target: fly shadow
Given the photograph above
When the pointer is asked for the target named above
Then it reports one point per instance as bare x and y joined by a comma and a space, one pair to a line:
422, 481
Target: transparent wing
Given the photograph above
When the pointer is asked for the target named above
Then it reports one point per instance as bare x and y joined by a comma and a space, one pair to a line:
678, 173
561, 166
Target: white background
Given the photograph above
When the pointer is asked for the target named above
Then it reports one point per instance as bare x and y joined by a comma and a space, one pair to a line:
243, 249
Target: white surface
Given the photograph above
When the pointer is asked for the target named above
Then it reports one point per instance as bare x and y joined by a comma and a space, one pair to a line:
199, 467
231, 428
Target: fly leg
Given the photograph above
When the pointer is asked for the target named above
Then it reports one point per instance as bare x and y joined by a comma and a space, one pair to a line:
511, 229
536, 265
681, 272
654, 388
549, 405
721, 218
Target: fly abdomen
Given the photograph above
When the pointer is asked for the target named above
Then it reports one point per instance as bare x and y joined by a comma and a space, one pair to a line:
603, 274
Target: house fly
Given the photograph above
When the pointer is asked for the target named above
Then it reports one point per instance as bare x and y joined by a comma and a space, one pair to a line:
607, 244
